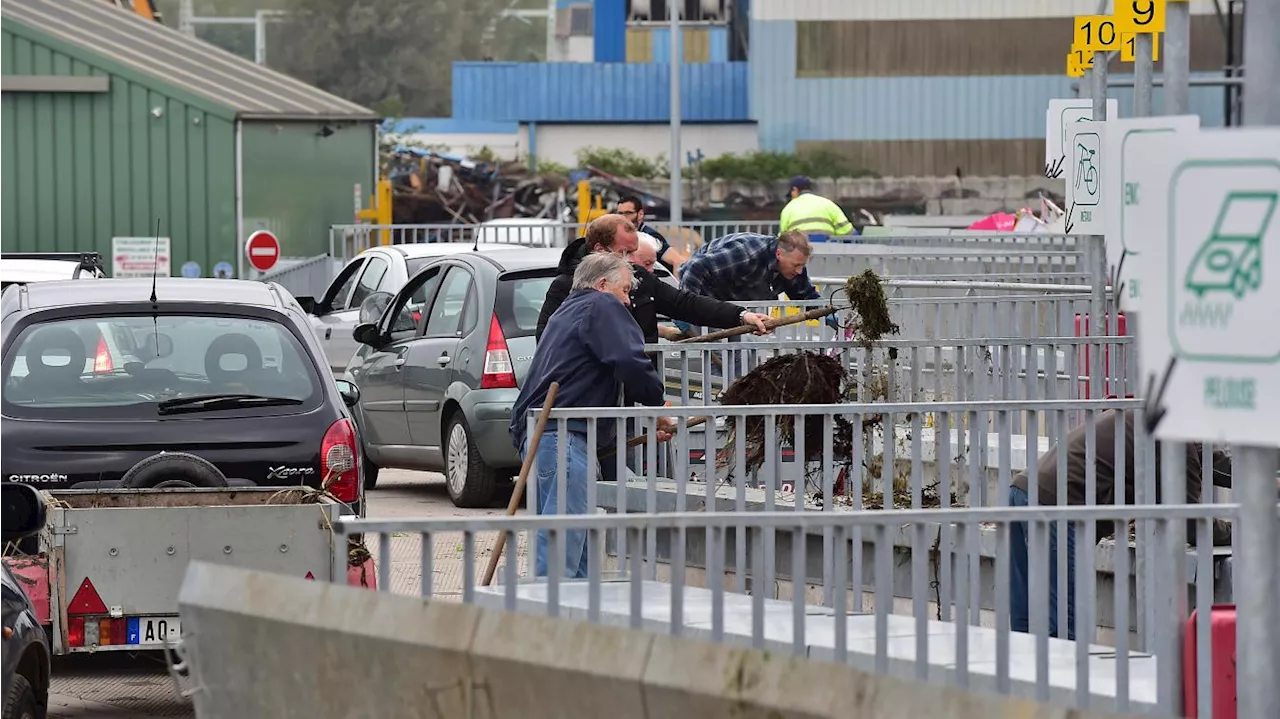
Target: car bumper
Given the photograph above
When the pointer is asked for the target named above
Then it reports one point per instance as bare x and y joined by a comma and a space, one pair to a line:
490, 421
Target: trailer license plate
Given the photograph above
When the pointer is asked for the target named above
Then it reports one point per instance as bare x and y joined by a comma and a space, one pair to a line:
154, 630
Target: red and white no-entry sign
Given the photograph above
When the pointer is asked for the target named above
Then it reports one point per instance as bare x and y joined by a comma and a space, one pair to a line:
263, 250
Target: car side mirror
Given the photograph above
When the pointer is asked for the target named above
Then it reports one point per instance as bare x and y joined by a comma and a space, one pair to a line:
349, 391
373, 306
368, 334
24, 511
308, 304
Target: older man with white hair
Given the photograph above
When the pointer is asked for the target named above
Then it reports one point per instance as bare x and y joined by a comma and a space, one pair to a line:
593, 349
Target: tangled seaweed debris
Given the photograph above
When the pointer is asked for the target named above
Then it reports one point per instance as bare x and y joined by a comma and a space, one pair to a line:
809, 378
867, 297
800, 378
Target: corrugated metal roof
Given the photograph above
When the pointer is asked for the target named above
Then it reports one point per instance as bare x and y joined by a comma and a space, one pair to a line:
598, 92
251, 90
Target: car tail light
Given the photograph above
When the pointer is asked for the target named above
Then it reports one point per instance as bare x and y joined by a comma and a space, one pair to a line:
102, 363
339, 455
75, 631
498, 373
111, 632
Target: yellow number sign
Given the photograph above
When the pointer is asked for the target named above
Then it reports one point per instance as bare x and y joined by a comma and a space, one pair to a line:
1140, 15
1127, 52
1078, 61
1096, 32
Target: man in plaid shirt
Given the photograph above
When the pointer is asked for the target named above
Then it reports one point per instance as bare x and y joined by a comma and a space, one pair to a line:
748, 267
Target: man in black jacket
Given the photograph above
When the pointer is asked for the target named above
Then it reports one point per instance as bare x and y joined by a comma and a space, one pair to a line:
650, 297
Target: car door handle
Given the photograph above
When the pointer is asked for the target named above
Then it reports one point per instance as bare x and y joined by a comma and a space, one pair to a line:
399, 363
443, 359
328, 332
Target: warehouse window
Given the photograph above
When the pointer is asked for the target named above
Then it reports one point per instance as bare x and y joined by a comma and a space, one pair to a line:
924, 48
581, 21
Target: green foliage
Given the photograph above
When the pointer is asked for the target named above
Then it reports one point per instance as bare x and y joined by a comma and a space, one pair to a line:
551, 167
623, 163
763, 166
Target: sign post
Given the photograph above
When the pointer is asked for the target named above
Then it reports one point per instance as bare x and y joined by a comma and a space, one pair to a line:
263, 250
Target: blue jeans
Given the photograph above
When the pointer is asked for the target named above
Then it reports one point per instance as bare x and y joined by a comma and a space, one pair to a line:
1020, 573
573, 541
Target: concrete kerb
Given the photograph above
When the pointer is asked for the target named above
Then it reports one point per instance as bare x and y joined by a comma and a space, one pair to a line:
442, 659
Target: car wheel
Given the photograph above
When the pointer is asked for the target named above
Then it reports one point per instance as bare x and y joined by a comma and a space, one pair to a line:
471, 482
20, 701
368, 471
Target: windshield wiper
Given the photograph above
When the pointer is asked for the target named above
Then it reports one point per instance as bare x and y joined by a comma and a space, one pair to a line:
209, 402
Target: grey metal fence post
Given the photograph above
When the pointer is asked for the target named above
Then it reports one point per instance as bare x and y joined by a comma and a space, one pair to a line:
1258, 638
1177, 58
1096, 255
1143, 68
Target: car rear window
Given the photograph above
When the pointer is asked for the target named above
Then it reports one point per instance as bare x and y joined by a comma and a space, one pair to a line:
520, 299
122, 367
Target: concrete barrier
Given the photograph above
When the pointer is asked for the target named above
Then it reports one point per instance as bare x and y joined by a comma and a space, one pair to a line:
263, 645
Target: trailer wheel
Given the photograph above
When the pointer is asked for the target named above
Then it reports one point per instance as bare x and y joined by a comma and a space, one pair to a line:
173, 469
20, 700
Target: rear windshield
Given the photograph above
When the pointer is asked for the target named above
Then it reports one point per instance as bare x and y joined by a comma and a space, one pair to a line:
122, 367
520, 299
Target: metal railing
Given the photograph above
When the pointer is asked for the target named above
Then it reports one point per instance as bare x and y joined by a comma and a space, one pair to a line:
984, 368
900, 261
937, 636
308, 277
847, 458
346, 241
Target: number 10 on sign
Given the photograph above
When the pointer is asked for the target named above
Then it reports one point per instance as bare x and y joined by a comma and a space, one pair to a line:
1097, 33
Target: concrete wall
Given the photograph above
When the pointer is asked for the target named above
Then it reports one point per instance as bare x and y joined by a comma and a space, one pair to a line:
322, 650
560, 143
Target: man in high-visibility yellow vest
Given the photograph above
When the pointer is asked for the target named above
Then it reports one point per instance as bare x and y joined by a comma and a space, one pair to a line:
813, 214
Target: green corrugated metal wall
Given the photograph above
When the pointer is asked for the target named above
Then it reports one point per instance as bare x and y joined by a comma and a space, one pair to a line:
297, 183
81, 168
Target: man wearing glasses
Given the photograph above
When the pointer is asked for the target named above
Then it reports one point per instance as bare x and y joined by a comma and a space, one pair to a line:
630, 207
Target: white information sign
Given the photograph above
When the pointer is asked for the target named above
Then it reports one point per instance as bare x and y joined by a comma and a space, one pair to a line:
1062, 113
1212, 302
1123, 147
1086, 205
140, 256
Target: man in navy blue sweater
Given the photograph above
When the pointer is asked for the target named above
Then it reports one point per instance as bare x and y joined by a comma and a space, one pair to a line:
593, 348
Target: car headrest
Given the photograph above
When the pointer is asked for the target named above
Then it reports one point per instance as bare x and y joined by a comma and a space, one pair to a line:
231, 345
49, 342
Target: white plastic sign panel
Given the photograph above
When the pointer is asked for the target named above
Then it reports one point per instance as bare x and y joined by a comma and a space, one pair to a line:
1062, 114
1212, 305
1122, 146
1086, 199
140, 256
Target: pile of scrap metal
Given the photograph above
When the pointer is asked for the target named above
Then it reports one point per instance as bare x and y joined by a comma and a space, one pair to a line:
431, 187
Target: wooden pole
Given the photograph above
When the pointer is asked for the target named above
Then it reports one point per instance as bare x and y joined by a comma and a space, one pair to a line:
771, 323
518, 492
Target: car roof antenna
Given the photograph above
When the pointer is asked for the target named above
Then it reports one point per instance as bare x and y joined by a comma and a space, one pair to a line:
155, 265
475, 242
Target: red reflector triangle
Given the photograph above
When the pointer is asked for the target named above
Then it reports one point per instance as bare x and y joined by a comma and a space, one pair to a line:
86, 600
311, 576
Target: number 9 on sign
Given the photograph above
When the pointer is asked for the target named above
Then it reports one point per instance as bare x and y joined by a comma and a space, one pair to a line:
1097, 33
1140, 15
